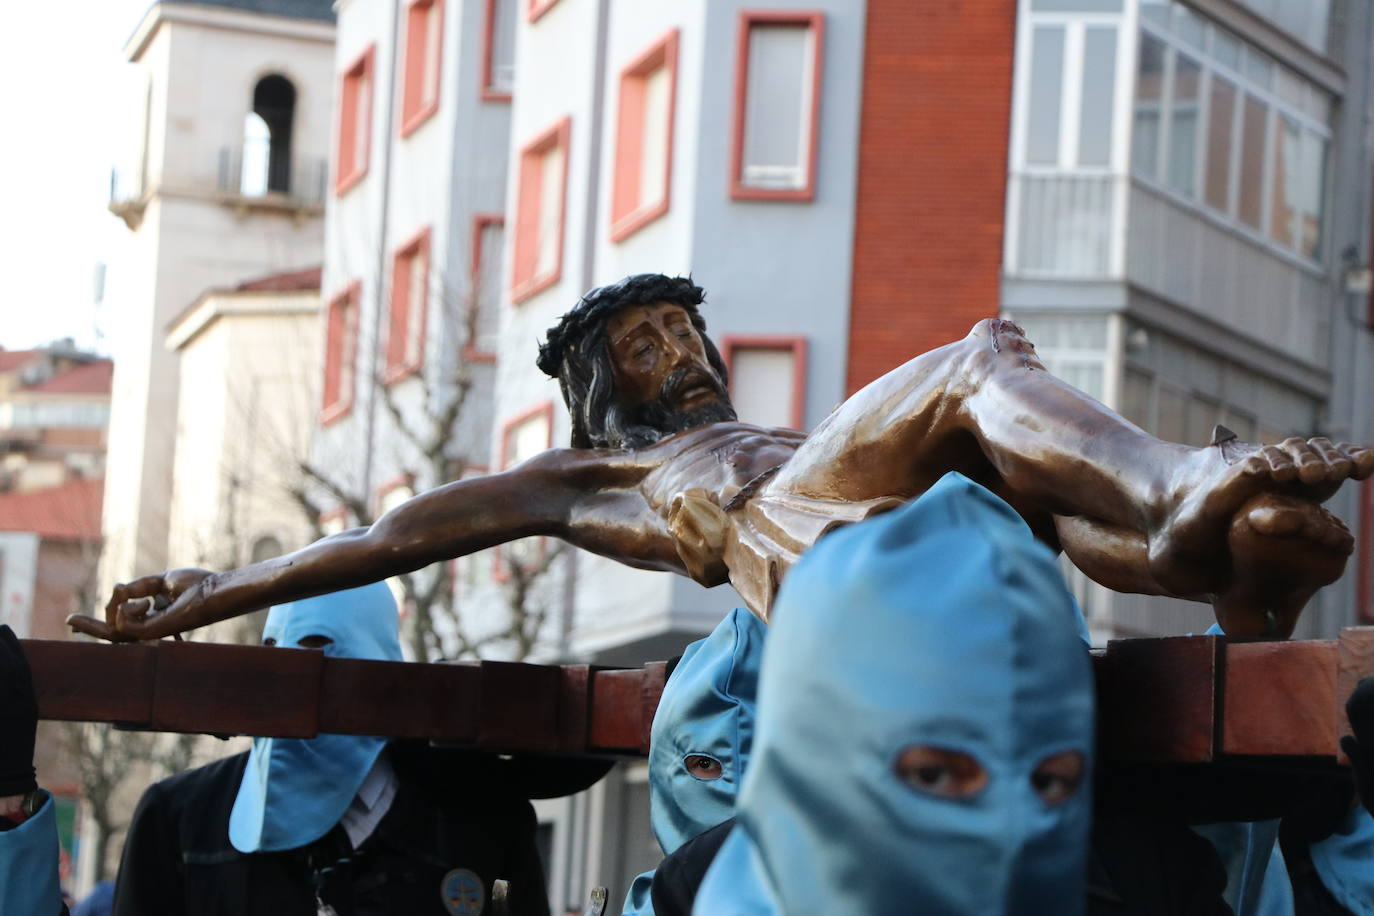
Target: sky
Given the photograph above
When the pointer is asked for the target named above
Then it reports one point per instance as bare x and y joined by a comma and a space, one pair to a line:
68, 103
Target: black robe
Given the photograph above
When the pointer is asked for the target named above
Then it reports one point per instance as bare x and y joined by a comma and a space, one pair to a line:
452, 810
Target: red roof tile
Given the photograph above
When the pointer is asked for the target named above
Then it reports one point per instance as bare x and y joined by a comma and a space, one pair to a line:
90, 378
291, 281
69, 512
13, 359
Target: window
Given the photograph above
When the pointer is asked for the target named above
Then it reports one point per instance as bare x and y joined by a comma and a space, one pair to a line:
488, 237
334, 521
536, 8
1221, 119
265, 161
390, 495
767, 379
1046, 90
1255, 153
1306, 19
394, 492
355, 122
777, 105
1252, 161
1097, 103
473, 571
424, 54
1149, 94
521, 439
340, 354
266, 547
537, 261
498, 51
1070, 95
644, 139
1183, 126
405, 341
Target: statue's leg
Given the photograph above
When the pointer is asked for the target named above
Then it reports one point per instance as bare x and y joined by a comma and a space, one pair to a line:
986, 406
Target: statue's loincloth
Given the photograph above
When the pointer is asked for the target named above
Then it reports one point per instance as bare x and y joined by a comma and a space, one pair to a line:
771, 528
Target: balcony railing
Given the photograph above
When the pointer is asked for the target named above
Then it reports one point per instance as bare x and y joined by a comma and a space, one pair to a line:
126, 186
251, 172
1065, 225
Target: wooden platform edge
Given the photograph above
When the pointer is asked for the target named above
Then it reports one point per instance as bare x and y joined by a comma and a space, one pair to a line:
1191, 699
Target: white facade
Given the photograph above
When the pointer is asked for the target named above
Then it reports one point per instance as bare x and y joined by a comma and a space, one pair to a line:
248, 398
192, 227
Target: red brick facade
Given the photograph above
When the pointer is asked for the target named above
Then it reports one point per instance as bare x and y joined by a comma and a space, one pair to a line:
933, 143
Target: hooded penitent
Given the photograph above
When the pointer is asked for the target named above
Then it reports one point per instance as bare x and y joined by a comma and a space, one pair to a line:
295, 789
706, 713
942, 624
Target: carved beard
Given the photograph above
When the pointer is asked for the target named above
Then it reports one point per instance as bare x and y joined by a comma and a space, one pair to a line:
644, 424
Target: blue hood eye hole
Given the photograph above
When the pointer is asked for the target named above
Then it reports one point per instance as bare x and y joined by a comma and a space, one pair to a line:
1056, 778
703, 767
942, 772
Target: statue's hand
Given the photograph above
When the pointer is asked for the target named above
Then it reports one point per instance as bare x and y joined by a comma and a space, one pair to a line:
146, 608
698, 527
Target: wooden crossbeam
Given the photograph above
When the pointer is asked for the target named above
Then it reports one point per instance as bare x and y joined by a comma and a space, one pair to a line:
1194, 699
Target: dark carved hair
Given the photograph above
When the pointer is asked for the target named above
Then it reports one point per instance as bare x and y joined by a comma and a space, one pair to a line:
577, 352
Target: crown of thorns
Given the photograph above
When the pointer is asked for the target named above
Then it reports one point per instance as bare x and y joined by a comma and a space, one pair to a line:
604, 301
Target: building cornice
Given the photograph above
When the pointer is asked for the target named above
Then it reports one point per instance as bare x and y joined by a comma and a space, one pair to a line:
221, 18
217, 304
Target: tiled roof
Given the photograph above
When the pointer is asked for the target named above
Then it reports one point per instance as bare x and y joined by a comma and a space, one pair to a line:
13, 359
90, 378
68, 512
289, 282
322, 10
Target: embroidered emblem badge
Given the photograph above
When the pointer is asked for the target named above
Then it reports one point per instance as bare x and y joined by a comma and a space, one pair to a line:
462, 892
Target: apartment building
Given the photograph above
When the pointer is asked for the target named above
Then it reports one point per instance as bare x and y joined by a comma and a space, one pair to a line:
1187, 232
1172, 197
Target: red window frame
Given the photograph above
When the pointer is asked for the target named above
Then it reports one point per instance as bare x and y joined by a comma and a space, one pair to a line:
628, 213
480, 221
402, 312
404, 479
329, 515
499, 571
340, 351
421, 16
525, 256
797, 346
814, 20
488, 43
537, 8
451, 567
351, 162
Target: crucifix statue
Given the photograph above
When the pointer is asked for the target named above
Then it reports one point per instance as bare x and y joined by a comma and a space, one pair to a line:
661, 475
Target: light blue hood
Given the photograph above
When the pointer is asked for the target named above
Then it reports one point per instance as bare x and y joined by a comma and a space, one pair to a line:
941, 623
294, 790
707, 709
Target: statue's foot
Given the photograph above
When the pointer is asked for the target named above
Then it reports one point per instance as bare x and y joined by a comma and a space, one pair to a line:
1191, 543
1282, 551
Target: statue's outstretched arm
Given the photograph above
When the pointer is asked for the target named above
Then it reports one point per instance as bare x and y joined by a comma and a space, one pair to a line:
539, 497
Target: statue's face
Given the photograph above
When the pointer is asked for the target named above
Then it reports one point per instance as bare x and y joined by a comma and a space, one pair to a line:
659, 359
